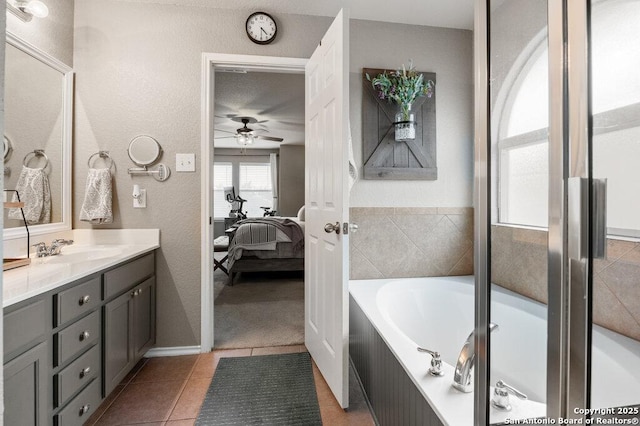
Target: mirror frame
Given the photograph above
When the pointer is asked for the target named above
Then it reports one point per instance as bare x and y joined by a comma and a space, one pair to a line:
67, 129
149, 163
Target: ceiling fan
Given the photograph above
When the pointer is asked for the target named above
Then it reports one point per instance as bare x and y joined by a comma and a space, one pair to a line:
246, 136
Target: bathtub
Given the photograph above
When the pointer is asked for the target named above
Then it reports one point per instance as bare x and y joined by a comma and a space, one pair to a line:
437, 313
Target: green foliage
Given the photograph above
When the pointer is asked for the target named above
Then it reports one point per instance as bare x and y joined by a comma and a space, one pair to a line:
402, 87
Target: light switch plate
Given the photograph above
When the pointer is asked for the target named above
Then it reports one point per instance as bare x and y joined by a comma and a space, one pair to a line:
185, 162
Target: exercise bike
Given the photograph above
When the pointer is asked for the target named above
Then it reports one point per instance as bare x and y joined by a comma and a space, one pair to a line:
268, 212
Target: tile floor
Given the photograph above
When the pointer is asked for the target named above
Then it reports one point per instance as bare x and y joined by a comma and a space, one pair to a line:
169, 391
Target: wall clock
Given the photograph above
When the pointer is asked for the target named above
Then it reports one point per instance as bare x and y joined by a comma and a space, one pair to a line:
261, 28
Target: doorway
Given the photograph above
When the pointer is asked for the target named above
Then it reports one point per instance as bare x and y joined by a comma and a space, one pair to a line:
259, 162
210, 63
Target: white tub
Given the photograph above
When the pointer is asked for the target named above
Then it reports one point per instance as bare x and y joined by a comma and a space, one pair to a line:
437, 313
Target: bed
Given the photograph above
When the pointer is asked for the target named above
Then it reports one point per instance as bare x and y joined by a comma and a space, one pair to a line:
266, 244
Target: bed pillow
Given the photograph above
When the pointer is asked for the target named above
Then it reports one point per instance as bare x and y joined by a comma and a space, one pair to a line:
301, 214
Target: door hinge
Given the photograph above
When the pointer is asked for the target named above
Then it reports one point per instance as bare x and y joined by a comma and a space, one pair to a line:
345, 228
209, 220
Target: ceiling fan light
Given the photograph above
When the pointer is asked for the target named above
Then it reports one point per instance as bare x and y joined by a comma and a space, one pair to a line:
242, 140
250, 140
37, 9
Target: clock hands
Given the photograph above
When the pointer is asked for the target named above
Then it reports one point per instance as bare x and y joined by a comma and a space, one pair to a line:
265, 33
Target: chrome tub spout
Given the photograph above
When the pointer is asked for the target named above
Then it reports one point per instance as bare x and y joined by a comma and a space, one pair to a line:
462, 375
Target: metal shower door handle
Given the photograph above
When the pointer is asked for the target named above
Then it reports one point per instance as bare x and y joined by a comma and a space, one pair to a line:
330, 227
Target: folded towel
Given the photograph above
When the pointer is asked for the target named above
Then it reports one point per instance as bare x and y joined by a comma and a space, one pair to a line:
33, 187
96, 207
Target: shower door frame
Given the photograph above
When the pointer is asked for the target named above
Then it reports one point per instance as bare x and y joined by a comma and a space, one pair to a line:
569, 244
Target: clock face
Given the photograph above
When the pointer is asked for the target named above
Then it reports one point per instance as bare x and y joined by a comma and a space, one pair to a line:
261, 28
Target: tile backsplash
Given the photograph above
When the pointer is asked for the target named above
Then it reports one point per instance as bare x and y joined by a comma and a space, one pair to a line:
519, 263
432, 242
411, 242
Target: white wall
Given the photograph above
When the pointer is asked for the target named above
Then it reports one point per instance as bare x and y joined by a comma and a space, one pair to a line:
448, 53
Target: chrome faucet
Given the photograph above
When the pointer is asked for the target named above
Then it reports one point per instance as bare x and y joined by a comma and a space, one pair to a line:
53, 250
462, 375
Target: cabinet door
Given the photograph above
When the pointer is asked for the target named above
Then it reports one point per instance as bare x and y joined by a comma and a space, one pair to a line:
144, 317
25, 388
118, 325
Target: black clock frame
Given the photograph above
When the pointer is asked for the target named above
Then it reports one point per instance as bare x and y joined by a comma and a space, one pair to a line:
260, 41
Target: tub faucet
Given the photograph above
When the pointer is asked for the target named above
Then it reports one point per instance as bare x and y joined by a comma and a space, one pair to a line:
462, 375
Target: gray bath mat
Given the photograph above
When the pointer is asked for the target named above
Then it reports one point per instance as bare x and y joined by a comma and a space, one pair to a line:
262, 390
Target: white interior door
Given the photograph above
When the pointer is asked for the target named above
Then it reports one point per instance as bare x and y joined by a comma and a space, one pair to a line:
327, 205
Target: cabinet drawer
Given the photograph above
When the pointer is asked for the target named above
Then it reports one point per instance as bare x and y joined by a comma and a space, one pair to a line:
77, 300
25, 325
124, 277
77, 337
81, 407
77, 374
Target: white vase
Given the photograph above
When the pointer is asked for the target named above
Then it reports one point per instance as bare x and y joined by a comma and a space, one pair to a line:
405, 125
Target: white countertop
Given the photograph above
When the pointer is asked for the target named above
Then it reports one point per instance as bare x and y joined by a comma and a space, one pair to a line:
92, 251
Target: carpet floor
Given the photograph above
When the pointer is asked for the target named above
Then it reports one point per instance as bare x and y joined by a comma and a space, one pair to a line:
262, 390
260, 309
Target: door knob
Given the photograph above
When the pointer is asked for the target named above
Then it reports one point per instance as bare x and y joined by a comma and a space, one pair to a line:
330, 227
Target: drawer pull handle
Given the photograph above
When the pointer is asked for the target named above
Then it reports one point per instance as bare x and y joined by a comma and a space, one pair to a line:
84, 335
136, 292
84, 300
85, 408
85, 372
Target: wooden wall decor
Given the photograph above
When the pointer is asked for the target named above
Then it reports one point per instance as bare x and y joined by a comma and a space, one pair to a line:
384, 158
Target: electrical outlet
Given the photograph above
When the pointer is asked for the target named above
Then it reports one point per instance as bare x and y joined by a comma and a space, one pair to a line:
141, 201
185, 162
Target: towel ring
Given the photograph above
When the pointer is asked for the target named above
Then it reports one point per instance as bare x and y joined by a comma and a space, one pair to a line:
101, 154
35, 153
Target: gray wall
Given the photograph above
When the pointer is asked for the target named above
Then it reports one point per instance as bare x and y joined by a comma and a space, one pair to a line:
53, 34
291, 180
2, 47
448, 53
138, 72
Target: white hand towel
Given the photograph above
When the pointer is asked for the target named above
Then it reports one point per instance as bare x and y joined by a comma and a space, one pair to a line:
353, 169
96, 207
33, 187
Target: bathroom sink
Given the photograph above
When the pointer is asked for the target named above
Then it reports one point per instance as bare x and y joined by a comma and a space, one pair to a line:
75, 254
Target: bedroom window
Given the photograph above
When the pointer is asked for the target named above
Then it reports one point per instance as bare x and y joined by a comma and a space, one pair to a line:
222, 176
255, 187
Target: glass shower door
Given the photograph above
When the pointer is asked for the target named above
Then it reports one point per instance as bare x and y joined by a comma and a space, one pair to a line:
519, 110
558, 207
615, 152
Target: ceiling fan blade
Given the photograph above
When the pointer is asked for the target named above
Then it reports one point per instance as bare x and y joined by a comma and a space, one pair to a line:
269, 138
226, 131
225, 137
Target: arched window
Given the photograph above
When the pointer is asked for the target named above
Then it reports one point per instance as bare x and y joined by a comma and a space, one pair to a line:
523, 125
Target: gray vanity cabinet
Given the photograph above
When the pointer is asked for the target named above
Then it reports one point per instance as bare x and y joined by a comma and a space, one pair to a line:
27, 362
65, 350
129, 319
25, 388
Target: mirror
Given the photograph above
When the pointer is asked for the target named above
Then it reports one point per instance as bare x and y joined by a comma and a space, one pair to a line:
144, 150
38, 117
7, 149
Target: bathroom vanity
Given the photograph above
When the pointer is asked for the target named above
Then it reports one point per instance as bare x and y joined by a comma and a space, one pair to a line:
76, 324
